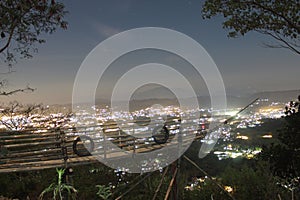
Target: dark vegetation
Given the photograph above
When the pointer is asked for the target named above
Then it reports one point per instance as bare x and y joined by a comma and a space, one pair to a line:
273, 174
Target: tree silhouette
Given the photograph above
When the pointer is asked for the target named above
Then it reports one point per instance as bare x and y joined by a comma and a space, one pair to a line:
22, 22
285, 156
278, 19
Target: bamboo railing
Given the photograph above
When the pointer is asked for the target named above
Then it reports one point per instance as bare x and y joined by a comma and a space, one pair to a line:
44, 148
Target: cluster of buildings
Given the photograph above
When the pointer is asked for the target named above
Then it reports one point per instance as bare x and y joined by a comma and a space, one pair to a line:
195, 122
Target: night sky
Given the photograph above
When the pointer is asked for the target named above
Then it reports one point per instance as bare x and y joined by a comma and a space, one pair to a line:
246, 66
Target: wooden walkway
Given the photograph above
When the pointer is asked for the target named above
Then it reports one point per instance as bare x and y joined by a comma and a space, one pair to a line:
50, 148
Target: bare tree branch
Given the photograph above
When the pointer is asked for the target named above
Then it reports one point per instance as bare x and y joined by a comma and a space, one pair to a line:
286, 45
27, 89
11, 33
16, 116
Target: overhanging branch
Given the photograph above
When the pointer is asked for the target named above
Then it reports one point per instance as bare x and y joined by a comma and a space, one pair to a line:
27, 89
286, 44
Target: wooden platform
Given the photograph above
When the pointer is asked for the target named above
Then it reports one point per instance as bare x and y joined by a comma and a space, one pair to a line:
50, 148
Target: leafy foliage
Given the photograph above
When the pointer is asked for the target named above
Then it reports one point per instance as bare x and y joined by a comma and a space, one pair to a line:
205, 190
58, 188
252, 182
24, 21
284, 157
104, 192
276, 18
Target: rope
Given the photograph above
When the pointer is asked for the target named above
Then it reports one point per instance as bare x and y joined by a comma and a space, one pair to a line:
122, 195
170, 185
119, 189
160, 183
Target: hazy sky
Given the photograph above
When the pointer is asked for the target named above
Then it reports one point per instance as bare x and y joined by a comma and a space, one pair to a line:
245, 65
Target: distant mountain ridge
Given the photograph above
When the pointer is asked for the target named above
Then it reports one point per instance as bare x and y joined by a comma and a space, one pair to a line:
281, 96
139, 101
